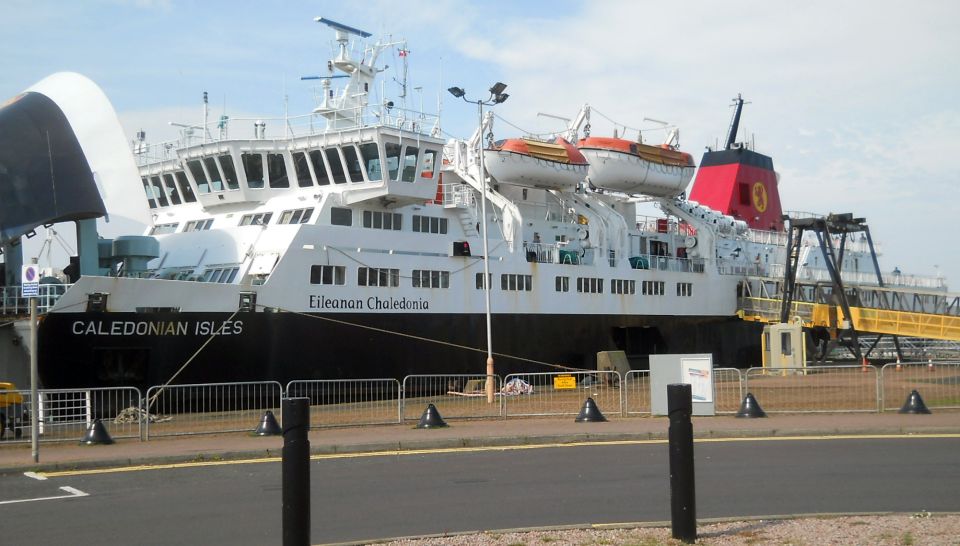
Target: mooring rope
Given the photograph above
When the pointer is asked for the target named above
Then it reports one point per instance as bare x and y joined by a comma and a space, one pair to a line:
429, 340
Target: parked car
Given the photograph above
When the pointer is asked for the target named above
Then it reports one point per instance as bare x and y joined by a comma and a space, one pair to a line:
12, 414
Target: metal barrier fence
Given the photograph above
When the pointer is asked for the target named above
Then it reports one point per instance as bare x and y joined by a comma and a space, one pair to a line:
727, 390
459, 396
635, 389
937, 382
349, 402
561, 393
815, 389
209, 408
65, 414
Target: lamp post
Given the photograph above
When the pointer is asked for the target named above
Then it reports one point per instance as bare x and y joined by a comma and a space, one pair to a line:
497, 96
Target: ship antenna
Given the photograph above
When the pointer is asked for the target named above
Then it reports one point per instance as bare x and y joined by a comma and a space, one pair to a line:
735, 122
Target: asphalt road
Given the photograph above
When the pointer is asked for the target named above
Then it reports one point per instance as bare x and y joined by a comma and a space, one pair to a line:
387, 496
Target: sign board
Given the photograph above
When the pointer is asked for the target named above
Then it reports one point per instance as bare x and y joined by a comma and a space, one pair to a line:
695, 370
564, 382
30, 281
697, 373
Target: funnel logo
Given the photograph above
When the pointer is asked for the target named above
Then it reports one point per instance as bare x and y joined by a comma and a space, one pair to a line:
759, 197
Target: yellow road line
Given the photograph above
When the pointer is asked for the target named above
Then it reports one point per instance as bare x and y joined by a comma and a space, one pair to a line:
406, 452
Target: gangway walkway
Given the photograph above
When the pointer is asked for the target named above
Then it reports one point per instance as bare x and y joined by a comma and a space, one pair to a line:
898, 311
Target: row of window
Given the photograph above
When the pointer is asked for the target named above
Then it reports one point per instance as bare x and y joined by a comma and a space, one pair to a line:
337, 165
423, 278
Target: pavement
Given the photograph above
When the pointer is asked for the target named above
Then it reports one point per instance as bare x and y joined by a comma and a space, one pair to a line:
59, 456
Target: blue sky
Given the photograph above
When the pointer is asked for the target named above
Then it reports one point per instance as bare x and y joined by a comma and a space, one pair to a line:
856, 102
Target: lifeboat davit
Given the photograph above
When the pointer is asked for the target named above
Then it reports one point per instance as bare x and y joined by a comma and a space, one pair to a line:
523, 162
630, 167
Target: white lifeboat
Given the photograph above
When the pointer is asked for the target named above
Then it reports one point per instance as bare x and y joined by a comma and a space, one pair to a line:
525, 162
630, 167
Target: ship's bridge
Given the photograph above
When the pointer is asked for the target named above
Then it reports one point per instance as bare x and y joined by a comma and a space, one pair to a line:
391, 163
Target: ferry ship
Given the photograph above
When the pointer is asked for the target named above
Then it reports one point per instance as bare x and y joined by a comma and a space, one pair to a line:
347, 243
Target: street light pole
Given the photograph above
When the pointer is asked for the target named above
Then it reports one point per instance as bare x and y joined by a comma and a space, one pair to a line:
486, 260
497, 96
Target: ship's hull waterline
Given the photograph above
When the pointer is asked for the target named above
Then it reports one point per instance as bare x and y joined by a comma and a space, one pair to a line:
136, 349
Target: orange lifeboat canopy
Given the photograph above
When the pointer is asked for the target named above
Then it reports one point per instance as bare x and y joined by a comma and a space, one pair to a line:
560, 151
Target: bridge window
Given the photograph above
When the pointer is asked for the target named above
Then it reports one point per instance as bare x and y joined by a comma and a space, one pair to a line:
371, 157
229, 171
429, 163
148, 190
253, 168
336, 166
353, 164
196, 170
158, 191
259, 219
298, 216
316, 159
185, 188
216, 183
410, 164
278, 171
161, 229
327, 274
303, 171
393, 159
341, 217
198, 225
171, 189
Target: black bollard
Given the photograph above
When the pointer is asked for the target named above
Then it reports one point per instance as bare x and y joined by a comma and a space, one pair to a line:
683, 499
296, 472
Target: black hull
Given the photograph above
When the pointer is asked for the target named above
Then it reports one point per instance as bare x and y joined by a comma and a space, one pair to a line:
140, 349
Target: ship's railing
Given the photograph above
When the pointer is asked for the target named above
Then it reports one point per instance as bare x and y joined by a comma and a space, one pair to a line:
667, 263
13, 302
457, 195
66, 414
278, 128
209, 408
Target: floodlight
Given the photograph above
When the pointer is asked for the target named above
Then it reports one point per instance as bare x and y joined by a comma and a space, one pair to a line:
457, 92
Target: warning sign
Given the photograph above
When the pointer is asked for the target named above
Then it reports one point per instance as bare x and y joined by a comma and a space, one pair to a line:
561, 382
30, 281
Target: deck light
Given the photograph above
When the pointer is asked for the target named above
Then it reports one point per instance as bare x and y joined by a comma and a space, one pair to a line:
457, 92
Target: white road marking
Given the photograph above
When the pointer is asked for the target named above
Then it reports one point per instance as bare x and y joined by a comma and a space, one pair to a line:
35, 476
73, 492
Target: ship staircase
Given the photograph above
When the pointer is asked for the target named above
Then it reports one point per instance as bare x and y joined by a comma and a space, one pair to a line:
854, 315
